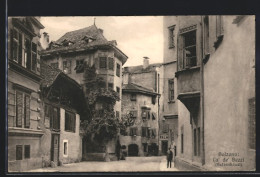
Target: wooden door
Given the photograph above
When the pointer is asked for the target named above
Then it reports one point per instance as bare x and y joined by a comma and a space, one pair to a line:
55, 148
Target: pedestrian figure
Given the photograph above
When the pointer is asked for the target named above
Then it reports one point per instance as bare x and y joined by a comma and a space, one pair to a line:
169, 158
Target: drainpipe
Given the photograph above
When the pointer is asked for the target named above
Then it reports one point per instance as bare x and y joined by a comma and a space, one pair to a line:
202, 93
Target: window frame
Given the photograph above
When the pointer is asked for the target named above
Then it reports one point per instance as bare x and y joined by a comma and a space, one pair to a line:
21, 152
70, 122
111, 63
118, 69
171, 90
25, 110
171, 35
27, 156
102, 62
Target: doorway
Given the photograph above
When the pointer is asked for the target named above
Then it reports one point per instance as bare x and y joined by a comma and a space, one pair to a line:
55, 148
164, 147
133, 150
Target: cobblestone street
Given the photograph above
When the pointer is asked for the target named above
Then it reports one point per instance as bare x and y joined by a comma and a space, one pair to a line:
131, 164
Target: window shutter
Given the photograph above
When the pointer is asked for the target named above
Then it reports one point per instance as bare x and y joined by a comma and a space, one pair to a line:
19, 152
11, 43
180, 52
19, 109
27, 111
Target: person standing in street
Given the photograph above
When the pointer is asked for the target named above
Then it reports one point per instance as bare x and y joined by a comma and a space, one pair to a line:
169, 158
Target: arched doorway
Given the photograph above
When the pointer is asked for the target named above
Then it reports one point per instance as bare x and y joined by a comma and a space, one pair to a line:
133, 150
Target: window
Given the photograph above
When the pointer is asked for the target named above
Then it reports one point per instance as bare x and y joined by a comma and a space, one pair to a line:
148, 115
189, 48
171, 36
79, 66
117, 114
133, 131
55, 65
118, 70
52, 117
27, 53
206, 35
34, 56
219, 30
251, 123
22, 110
23, 50
145, 147
195, 142
133, 114
153, 116
110, 86
153, 99
26, 151
16, 46
111, 63
153, 133
171, 89
65, 148
67, 66
133, 97
165, 127
19, 152
144, 114
145, 131
102, 62
70, 121
118, 91
219, 26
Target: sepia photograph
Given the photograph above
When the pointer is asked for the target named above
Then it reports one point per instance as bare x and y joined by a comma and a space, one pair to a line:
131, 93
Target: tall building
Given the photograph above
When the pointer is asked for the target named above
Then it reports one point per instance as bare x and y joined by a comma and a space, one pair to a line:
24, 102
88, 46
215, 88
140, 100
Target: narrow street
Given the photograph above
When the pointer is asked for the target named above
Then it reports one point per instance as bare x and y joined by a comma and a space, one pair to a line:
131, 164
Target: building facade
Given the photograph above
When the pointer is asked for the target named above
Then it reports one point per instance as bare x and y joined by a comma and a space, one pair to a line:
24, 133
141, 99
63, 107
215, 89
88, 46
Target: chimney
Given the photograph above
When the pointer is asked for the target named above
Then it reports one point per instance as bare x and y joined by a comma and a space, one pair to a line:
126, 76
101, 31
145, 62
45, 40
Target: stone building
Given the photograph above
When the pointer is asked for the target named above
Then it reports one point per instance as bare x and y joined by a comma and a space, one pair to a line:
24, 133
215, 88
141, 99
88, 46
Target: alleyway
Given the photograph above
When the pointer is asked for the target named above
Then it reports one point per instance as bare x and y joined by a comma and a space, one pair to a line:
132, 164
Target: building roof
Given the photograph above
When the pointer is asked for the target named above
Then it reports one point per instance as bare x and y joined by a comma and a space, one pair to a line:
78, 41
50, 74
140, 69
134, 88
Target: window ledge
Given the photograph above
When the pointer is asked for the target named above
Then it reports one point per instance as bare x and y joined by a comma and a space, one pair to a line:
187, 69
16, 131
171, 101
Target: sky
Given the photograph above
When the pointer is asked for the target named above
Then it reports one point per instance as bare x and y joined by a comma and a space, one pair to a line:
136, 36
